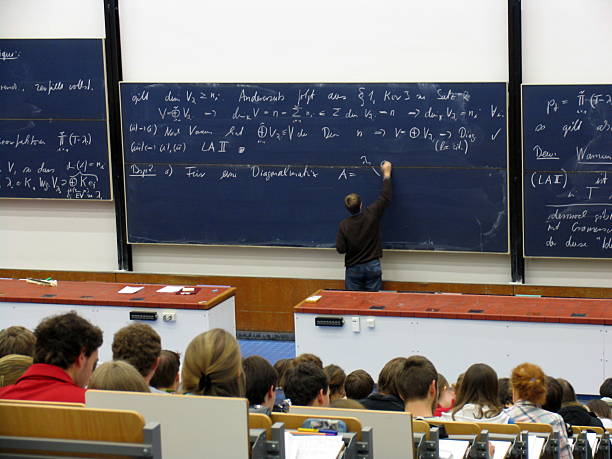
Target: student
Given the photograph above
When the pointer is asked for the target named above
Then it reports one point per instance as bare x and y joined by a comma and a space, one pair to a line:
605, 391
387, 396
213, 366
118, 375
307, 385
504, 392
308, 358
12, 366
17, 340
139, 345
65, 355
477, 399
336, 377
417, 384
359, 238
572, 412
446, 396
260, 378
358, 385
166, 377
602, 410
529, 393
554, 395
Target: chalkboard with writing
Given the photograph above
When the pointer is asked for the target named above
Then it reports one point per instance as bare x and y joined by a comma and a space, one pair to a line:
53, 123
270, 164
567, 151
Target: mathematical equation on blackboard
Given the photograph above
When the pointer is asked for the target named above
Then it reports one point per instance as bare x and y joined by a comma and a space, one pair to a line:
53, 127
568, 170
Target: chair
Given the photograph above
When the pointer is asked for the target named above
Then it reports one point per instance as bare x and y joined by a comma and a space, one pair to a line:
57, 430
535, 427
456, 427
579, 429
260, 421
495, 428
420, 427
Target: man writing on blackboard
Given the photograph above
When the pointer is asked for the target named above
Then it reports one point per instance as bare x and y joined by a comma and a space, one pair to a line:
359, 238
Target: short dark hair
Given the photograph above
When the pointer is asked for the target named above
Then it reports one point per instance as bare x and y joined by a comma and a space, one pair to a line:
353, 203
414, 378
358, 384
260, 375
61, 339
567, 390
17, 340
311, 358
139, 345
605, 390
282, 366
504, 391
336, 377
304, 382
554, 395
387, 378
166, 371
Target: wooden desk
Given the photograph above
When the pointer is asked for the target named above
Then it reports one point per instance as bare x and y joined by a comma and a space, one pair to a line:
567, 337
25, 304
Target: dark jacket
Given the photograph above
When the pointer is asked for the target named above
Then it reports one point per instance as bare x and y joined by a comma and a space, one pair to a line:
359, 235
577, 415
378, 401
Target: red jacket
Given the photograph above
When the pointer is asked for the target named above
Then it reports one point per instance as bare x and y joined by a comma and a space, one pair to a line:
42, 382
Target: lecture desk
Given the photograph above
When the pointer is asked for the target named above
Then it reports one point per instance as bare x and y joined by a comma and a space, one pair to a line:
176, 317
567, 337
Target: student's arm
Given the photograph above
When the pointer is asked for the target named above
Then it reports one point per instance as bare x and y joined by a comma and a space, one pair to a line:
379, 206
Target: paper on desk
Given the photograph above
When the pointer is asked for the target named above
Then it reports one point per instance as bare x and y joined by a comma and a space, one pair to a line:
170, 289
535, 445
313, 299
501, 448
313, 446
128, 289
453, 449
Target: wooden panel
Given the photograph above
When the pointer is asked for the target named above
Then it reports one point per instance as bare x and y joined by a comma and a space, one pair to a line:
564, 292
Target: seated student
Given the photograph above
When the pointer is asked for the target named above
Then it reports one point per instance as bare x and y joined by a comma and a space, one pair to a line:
118, 375
417, 384
358, 385
139, 345
387, 396
572, 412
605, 391
282, 366
213, 366
336, 377
346, 403
504, 392
307, 385
65, 354
308, 358
260, 378
602, 410
17, 340
529, 393
554, 395
166, 377
12, 366
477, 397
446, 396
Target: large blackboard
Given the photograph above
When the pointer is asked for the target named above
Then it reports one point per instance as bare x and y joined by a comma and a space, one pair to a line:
568, 170
53, 123
269, 164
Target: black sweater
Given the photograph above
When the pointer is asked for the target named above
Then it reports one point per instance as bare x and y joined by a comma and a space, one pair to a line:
359, 235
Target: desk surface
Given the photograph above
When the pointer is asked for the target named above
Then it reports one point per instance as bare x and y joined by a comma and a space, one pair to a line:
106, 294
459, 306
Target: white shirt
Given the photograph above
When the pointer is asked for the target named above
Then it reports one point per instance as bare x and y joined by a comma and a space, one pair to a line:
469, 413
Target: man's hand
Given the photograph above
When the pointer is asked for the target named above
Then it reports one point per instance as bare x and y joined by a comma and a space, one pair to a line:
385, 168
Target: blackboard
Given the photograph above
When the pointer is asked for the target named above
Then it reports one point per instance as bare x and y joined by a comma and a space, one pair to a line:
53, 122
567, 161
269, 164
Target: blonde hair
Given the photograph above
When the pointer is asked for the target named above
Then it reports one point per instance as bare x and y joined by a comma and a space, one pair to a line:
118, 375
529, 383
12, 366
213, 366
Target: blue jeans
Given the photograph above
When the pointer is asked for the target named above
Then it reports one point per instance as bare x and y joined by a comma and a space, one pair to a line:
365, 276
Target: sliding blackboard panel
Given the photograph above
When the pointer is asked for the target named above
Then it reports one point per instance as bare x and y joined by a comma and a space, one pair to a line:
568, 170
270, 164
53, 124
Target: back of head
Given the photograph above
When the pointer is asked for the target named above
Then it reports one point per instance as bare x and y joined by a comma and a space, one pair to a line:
568, 393
529, 383
554, 395
61, 339
259, 377
310, 358
117, 375
346, 403
352, 202
139, 345
12, 366
167, 370
600, 408
504, 391
282, 366
336, 377
414, 378
304, 382
358, 385
17, 340
479, 387
213, 365
387, 378
605, 390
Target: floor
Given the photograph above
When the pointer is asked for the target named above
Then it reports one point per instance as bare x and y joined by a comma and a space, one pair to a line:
271, 350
